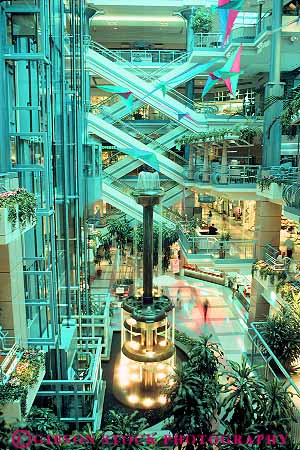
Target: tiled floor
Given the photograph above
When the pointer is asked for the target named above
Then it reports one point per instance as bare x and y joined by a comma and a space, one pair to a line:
223, 321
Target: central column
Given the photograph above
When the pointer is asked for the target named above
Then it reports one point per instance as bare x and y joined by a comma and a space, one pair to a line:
148, 254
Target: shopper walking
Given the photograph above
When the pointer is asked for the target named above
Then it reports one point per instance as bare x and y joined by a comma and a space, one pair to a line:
205, 309
289, 247
234, 287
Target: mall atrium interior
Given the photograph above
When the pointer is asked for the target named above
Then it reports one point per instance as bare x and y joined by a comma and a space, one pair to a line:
150, 219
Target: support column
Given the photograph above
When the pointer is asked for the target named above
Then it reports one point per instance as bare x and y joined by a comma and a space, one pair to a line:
205, 177
188, 14
12, 296
267, 226
259, 307
224, 178
148, 253
274, 88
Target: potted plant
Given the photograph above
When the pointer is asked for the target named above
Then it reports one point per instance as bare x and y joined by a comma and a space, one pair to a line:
17, 211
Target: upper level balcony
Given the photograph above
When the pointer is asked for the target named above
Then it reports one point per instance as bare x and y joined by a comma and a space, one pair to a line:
237, 176
281, 185
215, 250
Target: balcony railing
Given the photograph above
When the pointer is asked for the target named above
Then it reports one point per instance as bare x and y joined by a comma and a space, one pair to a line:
271, 368
233, 175
78, 399
142, 57
208, 40
213, 246
246, 33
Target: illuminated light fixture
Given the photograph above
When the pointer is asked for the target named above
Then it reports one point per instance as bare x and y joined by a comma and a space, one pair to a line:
150, 354
123, 383
134, 377
161, 376
133, 398
148, 402
135, 345
131, 321
161, 366
163, 343
162, 399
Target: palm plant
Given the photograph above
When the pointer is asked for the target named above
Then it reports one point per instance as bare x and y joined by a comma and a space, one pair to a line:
205, 356
279, 409
281, 333
127, 425
192, 400
242, 404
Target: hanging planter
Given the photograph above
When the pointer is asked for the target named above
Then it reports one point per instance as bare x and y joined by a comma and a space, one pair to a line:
17, 214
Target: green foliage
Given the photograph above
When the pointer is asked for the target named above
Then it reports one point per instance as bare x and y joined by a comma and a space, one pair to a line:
184, 339
250, 133
121, 229
192, 391
127, 425
205, 356
5, 434
169, 237
225, 236
279, 409
192, 400
290, 114
265, 271
265, 182
242, 405
22, 200
23, 378
219, 135
202, 22
43, 421
281, 333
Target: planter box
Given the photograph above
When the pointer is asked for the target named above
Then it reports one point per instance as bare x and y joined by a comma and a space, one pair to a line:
274, 192
7, 233
266, 283
12, 410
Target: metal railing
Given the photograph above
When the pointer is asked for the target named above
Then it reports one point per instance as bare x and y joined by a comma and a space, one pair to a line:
281, 173
208, 40
270, 257
217, 248
271, 368
150, 56
142, 74
78, 400
232, 175
242, 33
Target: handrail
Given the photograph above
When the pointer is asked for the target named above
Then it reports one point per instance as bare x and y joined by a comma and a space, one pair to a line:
153, 144
147, 140
127, 190
255, 329
155, 56
142, 74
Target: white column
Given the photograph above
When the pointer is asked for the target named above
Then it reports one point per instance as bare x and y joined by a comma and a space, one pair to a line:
205, 165
224, 177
